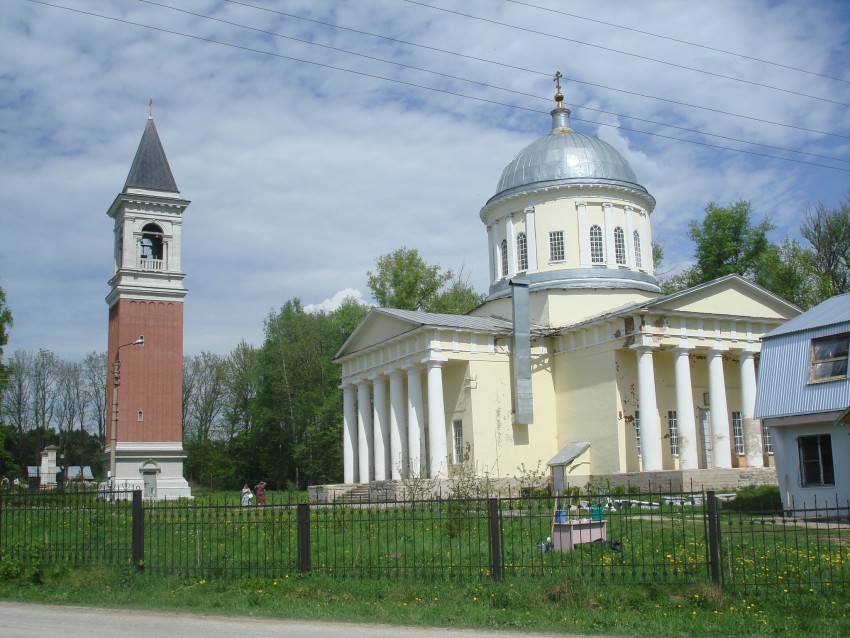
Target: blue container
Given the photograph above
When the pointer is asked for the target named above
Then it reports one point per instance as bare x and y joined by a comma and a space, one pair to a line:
560, 516
596, 512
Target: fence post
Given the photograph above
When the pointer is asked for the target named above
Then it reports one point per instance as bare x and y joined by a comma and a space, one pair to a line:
495, 539
138, 531
713, 538
304, 561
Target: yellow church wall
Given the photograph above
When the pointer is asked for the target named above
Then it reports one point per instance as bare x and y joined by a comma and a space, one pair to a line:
587, 405
627, 403
497, 446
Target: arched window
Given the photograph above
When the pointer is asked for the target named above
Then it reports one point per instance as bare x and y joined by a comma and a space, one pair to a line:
638, 260
597, 253
522, 252
150, 248
620, 246
503, 253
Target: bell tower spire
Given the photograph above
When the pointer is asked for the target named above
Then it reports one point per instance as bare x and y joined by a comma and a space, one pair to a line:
145, 447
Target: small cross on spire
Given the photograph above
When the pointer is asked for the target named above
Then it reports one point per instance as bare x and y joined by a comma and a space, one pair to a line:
150, 108
559, 97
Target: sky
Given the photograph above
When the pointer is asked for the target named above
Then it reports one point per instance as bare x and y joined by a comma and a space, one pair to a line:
313, 136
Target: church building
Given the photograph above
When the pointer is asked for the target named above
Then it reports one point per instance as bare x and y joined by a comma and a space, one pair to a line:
144, 447
576, 359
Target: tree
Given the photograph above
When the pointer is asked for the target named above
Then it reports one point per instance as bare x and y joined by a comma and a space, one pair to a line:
727, 242
205, 377
17, 400
95, 370
788, 271
457, 298
828, 231
403, 280
5, 324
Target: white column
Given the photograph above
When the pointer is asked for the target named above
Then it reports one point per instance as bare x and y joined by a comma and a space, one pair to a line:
752, 427
349, 435
722, 452
364, 432
492, 253
688, 457
531, 238
381, 428
436, 421
398, 429
414, 422
650, 428
510, 236
583, 234
608, 238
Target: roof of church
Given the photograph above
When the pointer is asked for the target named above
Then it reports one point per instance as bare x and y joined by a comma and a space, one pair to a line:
440, 320
564, 156
150, 168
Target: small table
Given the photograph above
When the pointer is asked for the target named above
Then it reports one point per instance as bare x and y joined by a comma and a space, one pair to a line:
565, 536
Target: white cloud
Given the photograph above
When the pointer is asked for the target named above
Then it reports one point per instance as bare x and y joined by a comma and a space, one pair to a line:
300, 175
332, 303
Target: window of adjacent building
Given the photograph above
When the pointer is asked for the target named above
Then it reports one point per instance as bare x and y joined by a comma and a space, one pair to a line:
738, 432
140, 416
522, 252
556, 245
503, 254
620, 246
766, 441
638, 260
816, 467
457, 438
597, 252
673, 424
829, 358
637, 432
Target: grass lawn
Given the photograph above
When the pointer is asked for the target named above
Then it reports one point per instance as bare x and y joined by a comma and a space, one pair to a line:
547, 604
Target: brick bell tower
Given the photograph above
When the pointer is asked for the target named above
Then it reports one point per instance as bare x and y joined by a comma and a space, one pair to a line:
144, 440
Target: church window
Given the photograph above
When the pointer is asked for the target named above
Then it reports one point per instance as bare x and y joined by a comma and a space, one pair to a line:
738, 432
522, 252
673, 424
766, 441
620, 246
638, 260
829, 358
816, 465
556, 245
597, 254
140, 416
457, 439
503, 254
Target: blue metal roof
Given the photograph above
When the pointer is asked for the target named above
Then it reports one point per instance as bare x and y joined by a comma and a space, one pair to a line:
833, 311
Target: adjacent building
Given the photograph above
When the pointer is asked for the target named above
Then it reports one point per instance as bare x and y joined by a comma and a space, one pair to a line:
804, 398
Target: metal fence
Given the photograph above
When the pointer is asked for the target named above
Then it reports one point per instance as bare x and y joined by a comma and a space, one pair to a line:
645, 538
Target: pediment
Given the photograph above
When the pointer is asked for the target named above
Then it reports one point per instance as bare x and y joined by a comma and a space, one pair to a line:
374, 329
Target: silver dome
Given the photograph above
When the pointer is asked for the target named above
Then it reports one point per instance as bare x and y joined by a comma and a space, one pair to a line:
564, 157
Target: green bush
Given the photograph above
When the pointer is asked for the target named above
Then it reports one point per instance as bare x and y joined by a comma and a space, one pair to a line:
763, 498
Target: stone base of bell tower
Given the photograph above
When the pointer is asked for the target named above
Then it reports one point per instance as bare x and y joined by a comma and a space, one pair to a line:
154, 468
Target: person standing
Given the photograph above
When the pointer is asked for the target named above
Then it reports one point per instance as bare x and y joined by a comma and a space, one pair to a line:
261, 492
246, 496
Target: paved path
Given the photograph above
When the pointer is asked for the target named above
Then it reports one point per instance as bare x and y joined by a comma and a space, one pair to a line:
18, 620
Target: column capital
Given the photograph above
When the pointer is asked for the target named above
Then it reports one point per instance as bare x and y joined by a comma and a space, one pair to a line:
684, 348
643, 342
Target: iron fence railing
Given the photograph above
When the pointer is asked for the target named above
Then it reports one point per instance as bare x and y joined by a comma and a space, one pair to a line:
642, 538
